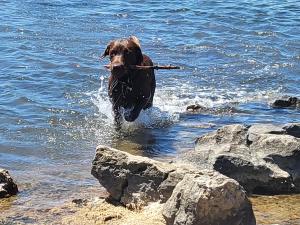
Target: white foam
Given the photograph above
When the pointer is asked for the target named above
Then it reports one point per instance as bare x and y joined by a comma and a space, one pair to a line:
153, 117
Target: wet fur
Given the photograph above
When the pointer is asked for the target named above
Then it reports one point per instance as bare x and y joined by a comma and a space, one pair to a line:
130, 89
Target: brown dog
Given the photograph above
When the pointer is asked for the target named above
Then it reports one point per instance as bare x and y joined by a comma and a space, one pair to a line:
129, 88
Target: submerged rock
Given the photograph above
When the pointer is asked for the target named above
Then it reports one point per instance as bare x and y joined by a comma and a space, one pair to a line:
263, 158
7, 186
210, 198
196, 108
191, 195
287, 102
224, 110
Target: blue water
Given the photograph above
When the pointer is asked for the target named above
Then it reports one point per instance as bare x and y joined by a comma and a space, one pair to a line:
54, 109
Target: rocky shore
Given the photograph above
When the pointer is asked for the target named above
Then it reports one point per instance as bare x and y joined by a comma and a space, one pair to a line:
210, 184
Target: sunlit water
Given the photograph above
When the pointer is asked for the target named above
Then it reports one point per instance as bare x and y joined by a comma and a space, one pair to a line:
54, 108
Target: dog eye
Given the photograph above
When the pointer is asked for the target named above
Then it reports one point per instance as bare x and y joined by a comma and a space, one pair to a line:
111, 55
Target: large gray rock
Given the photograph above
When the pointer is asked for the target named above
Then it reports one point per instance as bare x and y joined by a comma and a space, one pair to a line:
210, 199
204, 195
7, 186
263, 157
135, 180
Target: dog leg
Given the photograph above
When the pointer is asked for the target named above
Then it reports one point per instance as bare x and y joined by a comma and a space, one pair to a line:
135, 112
117, 118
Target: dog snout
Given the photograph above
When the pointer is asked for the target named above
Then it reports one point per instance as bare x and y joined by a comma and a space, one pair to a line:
118, 66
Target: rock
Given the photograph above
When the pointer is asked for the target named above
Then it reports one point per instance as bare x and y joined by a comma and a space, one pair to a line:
224, 110
7, 185
208, 199
288, 102
80, 201
135, 180
195, 108
191, 196
292, 129
263, 157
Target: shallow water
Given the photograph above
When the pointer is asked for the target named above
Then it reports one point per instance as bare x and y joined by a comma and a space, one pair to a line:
54, 108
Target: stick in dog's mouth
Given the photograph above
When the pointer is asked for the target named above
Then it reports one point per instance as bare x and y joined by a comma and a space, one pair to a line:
155, 67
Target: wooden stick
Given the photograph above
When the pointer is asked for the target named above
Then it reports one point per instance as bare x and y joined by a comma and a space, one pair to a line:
156, 67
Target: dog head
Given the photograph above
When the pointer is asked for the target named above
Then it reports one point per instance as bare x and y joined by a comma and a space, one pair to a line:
122, 54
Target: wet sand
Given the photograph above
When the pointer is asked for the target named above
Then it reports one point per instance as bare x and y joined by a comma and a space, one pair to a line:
279, 209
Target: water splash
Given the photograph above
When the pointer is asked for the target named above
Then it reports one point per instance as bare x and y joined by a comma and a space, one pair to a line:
101, 83
161, 115
153, 117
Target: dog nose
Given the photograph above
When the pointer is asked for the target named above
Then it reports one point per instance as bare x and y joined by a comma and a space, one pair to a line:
117, 66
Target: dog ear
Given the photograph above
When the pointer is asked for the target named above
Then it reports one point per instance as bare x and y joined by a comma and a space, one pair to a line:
139, 55
106, 52
135, 40
138, 51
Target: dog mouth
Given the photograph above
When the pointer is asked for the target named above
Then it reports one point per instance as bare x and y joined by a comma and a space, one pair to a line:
119, 70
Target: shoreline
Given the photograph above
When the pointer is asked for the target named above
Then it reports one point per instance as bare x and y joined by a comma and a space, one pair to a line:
278, 209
